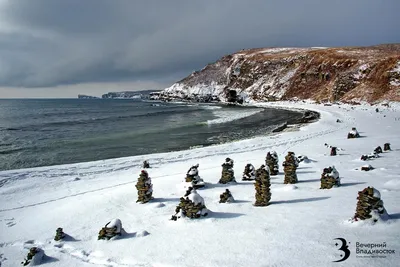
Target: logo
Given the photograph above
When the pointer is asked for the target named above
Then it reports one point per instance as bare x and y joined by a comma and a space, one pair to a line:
343, 247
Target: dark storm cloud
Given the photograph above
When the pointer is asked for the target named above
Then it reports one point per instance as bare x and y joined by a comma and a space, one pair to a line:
53, 42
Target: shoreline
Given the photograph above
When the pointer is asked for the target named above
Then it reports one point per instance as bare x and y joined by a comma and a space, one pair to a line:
288, 128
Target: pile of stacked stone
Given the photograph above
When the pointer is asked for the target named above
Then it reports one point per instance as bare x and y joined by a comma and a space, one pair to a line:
372, 155
262, 186
289, 167
353, 133
334, 149
378, 150
191, 206
59, 234
226, 197
192, 176
367, 168
249, 173
369, 205
330, 178
146, 164
227, 175
272, 162
144, 187
34, 257
386, 147
111, 229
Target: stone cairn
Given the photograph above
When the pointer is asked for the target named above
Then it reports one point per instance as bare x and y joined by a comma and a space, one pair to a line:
289, 167
353, 133
192, 176
34, 256
272, 162
227, 172
369, 205
59, 234
146, 164
333, 151
191, 206
378, 150
330, 178
262, 186
111, 229
144, 187
226, 197
249, 173
372, 155
386, 147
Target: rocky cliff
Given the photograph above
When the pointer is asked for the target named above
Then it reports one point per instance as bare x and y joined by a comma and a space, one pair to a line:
323, 74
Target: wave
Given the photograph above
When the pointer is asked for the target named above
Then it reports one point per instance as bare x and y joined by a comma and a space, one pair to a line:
225, 116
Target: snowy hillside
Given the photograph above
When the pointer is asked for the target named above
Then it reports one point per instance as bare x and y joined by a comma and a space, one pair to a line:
298, 228
323, 74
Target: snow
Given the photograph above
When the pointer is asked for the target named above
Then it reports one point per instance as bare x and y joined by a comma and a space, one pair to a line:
298, 228
196, 198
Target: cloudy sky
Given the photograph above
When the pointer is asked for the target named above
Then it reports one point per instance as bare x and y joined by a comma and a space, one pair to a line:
59, 48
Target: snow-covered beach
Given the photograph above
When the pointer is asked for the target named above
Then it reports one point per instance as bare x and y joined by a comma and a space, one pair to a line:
297, 229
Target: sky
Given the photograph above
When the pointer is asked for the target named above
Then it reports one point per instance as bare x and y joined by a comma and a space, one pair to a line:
60, 48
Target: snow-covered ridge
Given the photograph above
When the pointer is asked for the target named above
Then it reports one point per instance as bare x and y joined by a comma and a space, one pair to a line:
317, 73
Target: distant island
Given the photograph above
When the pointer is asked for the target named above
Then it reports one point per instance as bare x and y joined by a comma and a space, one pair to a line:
144, 94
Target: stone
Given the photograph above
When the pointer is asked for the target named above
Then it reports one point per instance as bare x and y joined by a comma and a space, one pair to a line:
144, 187
34, 257
59, 234
248, 173
262, 186
289, 167
226, 197
112, 229
272, 162
378, 150
192, 176
333, 151
330, 178
367, 168
372, 155
370, 206
190, 206
386, 147
353, 133
146, 164
228, 174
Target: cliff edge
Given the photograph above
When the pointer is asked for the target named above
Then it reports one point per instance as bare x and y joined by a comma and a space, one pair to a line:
345, 74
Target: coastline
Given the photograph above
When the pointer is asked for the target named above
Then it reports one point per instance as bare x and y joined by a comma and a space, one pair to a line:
294, 126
